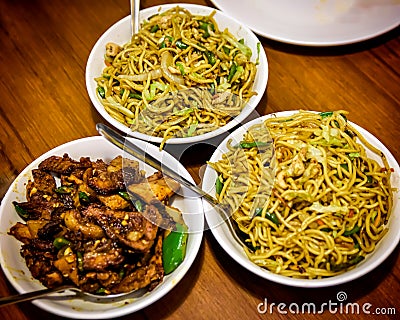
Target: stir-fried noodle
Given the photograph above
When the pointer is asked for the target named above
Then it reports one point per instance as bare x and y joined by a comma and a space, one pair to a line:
330, 201
175, 50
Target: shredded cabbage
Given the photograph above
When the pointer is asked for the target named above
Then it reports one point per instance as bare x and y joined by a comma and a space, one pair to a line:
316, 206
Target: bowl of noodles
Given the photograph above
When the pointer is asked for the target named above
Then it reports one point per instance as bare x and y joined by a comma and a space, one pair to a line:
190, 74
314, 197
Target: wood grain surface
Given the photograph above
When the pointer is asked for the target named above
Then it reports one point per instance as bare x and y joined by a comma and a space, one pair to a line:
44, 103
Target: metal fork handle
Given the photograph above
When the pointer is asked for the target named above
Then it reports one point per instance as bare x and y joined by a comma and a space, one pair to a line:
126, 145
34, 295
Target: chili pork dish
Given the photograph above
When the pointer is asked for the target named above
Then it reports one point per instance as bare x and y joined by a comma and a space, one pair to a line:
96, 225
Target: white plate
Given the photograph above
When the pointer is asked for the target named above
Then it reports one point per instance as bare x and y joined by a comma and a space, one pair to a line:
18, 274
227, 242
120, 33
316, 22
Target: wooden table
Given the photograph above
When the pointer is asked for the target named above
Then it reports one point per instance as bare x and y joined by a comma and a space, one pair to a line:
44, 103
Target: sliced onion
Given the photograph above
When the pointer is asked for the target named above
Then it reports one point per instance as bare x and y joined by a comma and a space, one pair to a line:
167, 61
154, 74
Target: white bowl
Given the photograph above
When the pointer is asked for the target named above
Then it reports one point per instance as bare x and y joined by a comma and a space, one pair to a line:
222, 234
120, 33
17, 273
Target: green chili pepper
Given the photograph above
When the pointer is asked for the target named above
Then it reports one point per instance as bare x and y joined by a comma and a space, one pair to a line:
272, 217
326, 114
174, 249
154, 28
60, 242
226, 50
212, 88
257, 212
219, 184
181, 68
326, 229
345, 265
345, 166
352, 231
258, 53
64, 190
101, 92
248, 145
121, 273
192, 129
210, 57
167, 42
232, 71
138, 205
134, 95
206, 26
24, 214
102, 291
353, 155
356, 244
181, 45
369, 179
79, 256
83, 197
124, 195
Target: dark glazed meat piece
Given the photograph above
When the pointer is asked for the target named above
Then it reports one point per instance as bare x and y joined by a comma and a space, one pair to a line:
155, 188
130, 228
129, 168
64, 164
38, 209
102, 255
93, 281
49, 230
151, 274
21, 232
39, 256
106, 179
42, 184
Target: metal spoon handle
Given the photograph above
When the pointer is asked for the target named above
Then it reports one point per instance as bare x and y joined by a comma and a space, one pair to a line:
33, 295
126, 145
135, 4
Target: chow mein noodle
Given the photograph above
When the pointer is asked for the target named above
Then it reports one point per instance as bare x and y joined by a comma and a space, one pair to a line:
329, 202
175, 50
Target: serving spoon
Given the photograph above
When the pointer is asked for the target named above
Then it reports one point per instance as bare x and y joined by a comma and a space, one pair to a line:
36, 294
126, 145
75, 293
135, 4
